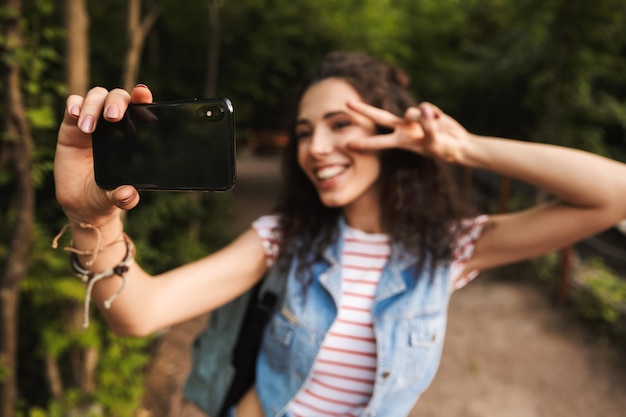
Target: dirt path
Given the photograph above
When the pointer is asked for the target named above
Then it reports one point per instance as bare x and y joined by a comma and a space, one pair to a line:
509, 352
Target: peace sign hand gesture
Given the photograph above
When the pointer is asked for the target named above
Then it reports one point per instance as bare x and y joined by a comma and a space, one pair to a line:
424, 129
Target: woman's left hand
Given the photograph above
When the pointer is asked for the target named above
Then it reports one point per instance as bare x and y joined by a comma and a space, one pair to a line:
424, 129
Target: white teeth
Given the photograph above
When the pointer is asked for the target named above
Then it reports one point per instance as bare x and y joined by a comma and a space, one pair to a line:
329, 172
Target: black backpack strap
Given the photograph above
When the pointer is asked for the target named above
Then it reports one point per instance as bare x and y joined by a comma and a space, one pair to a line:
224, 354
263, 302
212, 373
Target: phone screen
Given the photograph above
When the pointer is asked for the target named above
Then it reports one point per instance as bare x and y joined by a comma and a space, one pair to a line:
168, 146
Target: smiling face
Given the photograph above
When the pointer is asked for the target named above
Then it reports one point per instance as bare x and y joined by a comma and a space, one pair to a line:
343, 177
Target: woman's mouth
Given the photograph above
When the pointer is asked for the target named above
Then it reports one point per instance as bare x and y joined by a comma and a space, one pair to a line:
329, 172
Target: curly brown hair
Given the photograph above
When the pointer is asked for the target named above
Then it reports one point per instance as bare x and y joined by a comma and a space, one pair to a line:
419, 201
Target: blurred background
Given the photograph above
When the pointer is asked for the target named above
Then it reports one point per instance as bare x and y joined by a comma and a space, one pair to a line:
552, 71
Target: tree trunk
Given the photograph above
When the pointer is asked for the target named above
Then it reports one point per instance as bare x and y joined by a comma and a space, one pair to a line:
77, 78
53, 377
18, 150
137, 31
77, 46
505, 194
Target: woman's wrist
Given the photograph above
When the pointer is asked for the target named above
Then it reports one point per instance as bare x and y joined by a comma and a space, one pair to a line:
98, 245
107, 225
465, 154
98, 250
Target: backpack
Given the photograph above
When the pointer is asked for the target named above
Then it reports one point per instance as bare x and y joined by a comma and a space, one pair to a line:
224, 354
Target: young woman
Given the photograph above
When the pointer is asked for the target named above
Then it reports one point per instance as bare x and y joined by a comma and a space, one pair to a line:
369, 235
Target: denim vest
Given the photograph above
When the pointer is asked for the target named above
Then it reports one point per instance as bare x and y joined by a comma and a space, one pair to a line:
409, 323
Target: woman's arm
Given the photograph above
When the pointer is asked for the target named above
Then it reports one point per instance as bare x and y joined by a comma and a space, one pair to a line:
590, 190
150, 303
590, 194
146, 303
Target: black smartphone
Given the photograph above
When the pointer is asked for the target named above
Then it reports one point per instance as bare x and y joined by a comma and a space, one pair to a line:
174, 146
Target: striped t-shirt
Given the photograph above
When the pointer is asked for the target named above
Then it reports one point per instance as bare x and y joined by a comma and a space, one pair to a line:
343, 374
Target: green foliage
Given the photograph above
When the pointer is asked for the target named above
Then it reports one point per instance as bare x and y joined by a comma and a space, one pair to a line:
604, 298
546, 267
197, 227
579, 79
121, 375
50, 292
598, 294
4, 371
259, 79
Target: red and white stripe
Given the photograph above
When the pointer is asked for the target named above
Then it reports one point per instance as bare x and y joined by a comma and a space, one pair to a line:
267, 229
342, 378
469, 232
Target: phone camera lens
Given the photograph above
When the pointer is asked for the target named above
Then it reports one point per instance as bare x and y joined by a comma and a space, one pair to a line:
210, 113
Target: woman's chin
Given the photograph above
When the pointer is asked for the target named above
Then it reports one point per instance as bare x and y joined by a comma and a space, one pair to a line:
332, 202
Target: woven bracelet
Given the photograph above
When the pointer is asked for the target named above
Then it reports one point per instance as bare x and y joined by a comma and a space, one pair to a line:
91, 278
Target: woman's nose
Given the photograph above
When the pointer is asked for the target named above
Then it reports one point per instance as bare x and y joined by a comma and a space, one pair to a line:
321, 143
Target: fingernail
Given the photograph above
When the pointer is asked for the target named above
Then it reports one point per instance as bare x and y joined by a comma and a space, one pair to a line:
112, 112
87, 124
427, 112
75, 110
413, 114
125, 199
141, 86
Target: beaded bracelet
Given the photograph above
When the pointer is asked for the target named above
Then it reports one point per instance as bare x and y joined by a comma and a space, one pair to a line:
91, 278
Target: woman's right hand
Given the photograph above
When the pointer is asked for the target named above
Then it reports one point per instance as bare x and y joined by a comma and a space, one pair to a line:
424, 129
76, 189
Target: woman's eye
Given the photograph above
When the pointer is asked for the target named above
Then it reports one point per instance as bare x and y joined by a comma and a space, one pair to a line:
303, 134
340, 124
